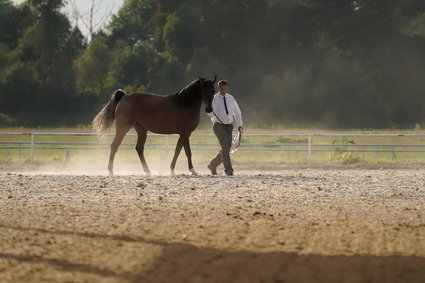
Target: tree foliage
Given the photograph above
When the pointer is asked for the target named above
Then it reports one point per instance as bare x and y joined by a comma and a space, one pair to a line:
37, 83
340, 64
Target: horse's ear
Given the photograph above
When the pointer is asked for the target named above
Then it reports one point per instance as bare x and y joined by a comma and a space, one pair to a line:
201, 82
215, 78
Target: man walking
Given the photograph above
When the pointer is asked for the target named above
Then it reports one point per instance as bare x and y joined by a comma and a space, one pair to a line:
224, 109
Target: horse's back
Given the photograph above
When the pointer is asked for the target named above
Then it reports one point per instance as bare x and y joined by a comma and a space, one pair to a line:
144, 97
140, 101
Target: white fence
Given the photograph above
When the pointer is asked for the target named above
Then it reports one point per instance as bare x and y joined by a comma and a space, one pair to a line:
306, 145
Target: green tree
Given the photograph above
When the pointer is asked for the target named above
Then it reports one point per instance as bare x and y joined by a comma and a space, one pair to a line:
93, 66
348, 63
183, 32
131, 66
133, 22
40, 70
12, 22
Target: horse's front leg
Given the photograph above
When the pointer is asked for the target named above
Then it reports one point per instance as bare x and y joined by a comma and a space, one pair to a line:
176, 154
188, 152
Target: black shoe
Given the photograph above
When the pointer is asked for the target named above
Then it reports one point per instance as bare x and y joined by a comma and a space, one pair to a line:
213, 170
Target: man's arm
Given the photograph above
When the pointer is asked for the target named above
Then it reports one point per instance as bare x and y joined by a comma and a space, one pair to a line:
238, 116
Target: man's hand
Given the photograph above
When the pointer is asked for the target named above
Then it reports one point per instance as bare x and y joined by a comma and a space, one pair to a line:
240, 128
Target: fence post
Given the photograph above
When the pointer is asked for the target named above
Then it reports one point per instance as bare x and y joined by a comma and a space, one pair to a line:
166, 147
32, 148
67, 158
378, 154
309, 148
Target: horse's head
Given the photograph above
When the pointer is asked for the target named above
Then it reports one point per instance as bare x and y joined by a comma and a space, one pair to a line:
207, 92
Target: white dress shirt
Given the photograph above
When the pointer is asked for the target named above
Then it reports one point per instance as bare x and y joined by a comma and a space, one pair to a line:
220, 110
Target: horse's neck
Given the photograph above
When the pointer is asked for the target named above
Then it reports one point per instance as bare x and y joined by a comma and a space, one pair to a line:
188, 97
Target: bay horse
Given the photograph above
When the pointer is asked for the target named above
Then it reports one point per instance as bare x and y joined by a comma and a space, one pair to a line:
176, 113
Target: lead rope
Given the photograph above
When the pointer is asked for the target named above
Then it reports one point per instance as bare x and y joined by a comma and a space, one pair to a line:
217, 117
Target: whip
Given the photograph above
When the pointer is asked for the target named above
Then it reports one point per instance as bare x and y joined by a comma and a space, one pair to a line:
236, 142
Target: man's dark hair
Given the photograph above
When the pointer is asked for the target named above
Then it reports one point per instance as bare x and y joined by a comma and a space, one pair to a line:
222, 82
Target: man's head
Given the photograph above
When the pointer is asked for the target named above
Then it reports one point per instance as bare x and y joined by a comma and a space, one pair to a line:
223, 87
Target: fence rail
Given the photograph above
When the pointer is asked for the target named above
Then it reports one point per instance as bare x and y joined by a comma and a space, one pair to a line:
308, 146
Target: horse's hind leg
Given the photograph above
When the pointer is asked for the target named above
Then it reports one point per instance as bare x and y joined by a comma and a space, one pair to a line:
141, 139
176, 154
188, 152
121, 130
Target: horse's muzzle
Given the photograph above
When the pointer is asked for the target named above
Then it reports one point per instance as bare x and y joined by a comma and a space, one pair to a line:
208, 109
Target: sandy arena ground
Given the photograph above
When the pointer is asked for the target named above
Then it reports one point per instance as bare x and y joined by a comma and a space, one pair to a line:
317, 225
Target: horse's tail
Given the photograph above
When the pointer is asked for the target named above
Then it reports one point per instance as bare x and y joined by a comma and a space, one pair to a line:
104, 119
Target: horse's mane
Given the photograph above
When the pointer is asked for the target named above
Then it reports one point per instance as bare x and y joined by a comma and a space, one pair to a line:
190, 87
188, 95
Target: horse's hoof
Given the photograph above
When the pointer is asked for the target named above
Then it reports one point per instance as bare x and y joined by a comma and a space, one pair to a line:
172, 173
194, 173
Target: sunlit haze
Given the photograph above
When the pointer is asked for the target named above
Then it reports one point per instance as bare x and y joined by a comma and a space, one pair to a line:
101, 15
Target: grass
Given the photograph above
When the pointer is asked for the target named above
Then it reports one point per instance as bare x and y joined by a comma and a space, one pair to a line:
282, 151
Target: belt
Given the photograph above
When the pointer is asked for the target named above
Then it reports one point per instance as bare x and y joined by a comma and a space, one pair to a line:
223, 124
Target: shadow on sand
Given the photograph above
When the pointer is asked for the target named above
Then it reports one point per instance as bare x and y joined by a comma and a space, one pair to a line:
182, 262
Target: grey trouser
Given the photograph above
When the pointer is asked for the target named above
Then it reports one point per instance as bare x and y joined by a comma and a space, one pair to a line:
223, 133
